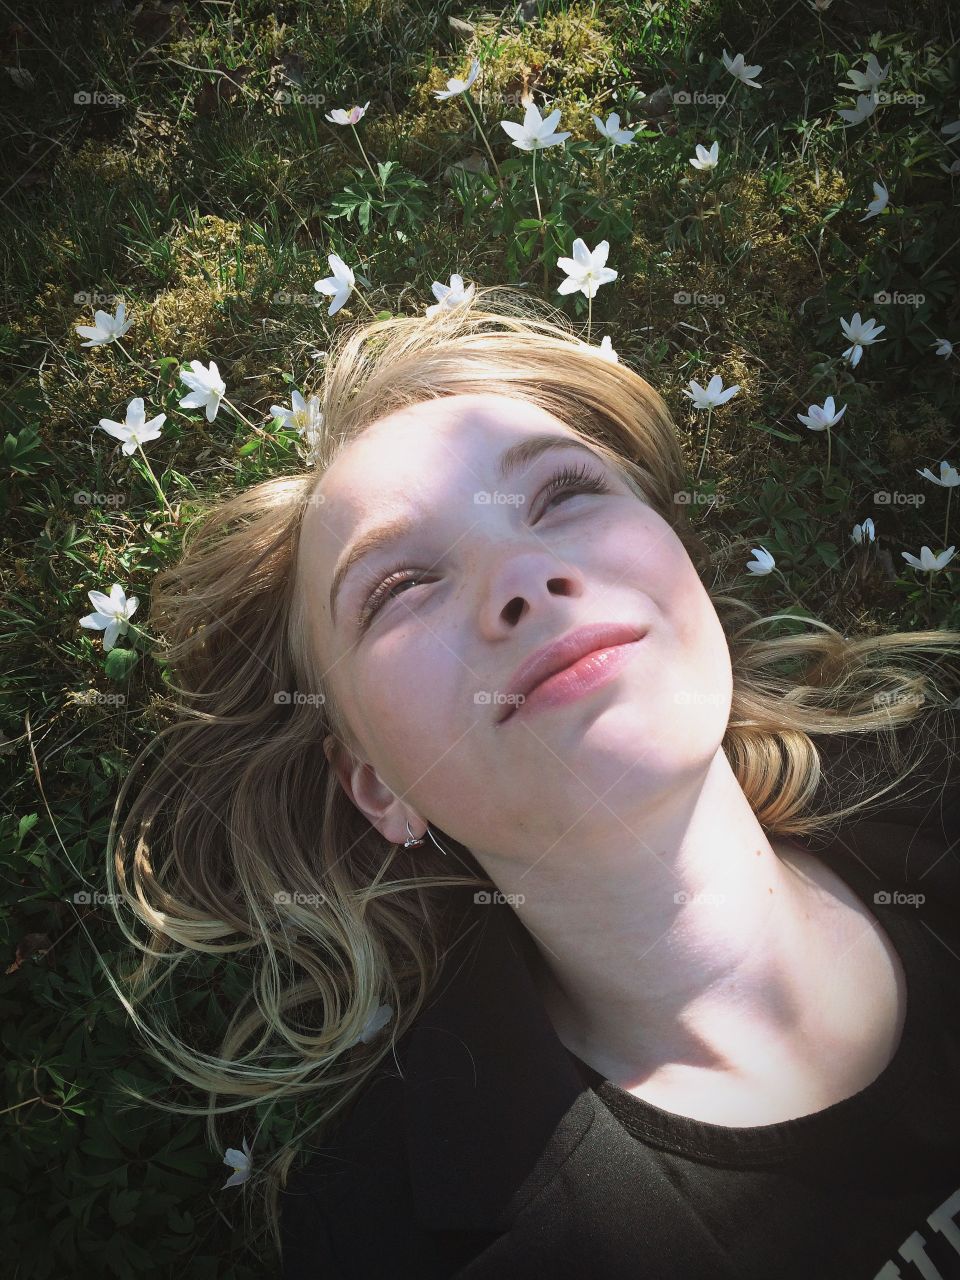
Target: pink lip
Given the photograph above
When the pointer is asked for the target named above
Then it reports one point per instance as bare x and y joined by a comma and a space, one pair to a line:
581, 661
587, 673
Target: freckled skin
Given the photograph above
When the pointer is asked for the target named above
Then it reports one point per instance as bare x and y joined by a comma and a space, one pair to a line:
589, 558
670, 959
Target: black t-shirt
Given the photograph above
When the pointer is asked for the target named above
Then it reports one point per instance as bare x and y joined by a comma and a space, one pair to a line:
497, 1153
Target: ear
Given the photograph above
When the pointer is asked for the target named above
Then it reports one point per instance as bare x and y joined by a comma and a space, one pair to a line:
369, 793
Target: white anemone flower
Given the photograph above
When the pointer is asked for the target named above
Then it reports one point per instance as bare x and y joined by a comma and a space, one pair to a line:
455, 86
712, 395
928, 562
763, 562
537, 131
207, 388
105, 327
612, 132
111, 614
450, 296
586, 271
241, 1162
738, 68
705, 159
135, 430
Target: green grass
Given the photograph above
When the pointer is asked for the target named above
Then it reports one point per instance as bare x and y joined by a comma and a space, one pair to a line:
198, 205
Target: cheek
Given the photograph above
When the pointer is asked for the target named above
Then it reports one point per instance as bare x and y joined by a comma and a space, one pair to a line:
699, 657
396, 694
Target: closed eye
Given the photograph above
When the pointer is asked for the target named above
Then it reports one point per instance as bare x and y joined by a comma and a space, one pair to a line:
566, 482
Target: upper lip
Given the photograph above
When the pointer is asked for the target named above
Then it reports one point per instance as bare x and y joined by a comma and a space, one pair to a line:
562, 653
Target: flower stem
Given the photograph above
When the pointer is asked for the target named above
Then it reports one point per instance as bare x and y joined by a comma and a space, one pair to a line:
589, 313
136, 363
946, 526
364, 154
156, 483
466, 98
536, 193
829, 445
366, 304
244, 419
132, 626
706, 439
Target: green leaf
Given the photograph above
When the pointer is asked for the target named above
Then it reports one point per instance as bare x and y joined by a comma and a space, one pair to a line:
782, 435
120, 663
27, 823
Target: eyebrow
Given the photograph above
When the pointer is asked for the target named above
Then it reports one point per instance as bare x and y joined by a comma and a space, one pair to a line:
522, 454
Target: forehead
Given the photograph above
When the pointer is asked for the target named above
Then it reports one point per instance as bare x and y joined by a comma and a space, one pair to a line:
393, 458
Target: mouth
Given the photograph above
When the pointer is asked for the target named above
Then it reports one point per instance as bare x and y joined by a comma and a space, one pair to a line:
581, 661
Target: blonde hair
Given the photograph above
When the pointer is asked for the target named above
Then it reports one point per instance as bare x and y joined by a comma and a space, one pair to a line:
221, 854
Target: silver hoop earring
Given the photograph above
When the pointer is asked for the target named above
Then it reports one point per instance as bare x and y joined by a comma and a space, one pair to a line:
416, 841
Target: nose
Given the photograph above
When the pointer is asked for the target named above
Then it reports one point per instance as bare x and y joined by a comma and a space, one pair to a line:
522, 582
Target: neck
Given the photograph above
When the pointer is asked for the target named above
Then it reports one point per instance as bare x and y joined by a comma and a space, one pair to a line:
687, 949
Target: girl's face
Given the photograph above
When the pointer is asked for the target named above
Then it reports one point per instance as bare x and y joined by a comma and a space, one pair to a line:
426, 630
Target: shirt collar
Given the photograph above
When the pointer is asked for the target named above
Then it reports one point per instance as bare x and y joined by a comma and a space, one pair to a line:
493, 1101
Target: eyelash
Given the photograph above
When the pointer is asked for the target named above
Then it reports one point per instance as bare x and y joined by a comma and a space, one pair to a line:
568, 479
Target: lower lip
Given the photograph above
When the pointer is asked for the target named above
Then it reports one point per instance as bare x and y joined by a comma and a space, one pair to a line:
587, 673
